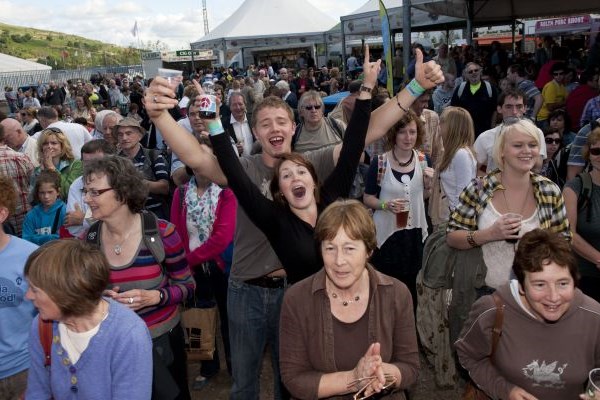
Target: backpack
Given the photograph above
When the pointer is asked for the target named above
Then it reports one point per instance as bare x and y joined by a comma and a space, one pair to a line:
585, 194
488, 87
150, 157
151, 236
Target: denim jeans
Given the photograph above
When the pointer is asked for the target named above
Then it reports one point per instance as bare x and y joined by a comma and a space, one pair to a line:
253, 323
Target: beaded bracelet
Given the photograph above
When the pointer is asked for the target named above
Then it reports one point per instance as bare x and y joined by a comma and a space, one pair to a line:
471, 239
215, 127
414, 88
400, 105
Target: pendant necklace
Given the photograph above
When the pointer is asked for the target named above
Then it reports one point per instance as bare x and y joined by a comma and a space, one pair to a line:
118, 248
406, 164
345, 303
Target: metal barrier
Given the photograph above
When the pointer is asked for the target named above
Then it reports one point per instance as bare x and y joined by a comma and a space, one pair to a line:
25, 78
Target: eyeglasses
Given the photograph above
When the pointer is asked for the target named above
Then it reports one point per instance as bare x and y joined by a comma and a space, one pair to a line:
316, 107
94, 192
390, 380
558, 73
473, 71
595, 151
551, 140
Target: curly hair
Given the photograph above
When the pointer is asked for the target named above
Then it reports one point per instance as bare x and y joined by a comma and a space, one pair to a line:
8, 194
66, 152
409, 117
123, 178
541, 247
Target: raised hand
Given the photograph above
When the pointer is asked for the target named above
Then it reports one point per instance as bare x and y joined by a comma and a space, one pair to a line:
370, 69
159, 98
428, 74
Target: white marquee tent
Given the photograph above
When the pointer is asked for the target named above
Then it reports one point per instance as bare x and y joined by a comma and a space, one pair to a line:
265, 23
14, 64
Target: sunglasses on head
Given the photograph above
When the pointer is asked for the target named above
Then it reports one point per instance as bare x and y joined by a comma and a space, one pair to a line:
316, 107
595, 151
552, 140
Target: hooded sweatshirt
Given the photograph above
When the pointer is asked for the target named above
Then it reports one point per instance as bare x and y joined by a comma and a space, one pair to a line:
549, 360
37, 227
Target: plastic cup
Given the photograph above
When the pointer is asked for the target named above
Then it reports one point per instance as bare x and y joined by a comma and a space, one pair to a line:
402, 216
174, 76
593, 386
514, 216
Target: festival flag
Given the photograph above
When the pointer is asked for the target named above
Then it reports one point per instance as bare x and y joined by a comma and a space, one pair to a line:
134, 31
387, 45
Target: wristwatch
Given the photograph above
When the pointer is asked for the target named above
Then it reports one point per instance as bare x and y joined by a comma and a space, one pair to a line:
364, 88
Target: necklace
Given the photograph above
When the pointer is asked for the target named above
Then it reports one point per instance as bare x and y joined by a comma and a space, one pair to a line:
118, 248
346, 302
406, 164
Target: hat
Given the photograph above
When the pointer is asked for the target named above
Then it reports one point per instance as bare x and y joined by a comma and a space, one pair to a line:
130, 122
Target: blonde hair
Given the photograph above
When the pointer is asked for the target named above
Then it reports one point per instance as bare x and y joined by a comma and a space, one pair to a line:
66, 149
524, 126
459, 132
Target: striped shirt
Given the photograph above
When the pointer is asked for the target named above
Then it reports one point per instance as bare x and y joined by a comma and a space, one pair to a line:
18, 167
153, 170
475, 197
144, 272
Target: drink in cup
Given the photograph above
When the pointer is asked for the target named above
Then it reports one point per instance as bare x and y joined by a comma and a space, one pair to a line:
172, 75
402, 216
208, 101
593, 386
514, 216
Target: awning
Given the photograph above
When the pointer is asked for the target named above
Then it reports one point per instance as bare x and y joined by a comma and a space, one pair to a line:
563, 24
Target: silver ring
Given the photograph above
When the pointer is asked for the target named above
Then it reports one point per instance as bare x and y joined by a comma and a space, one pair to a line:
131, 300
154, 99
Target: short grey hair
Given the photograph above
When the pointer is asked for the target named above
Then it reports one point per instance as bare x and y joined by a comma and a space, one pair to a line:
283, 85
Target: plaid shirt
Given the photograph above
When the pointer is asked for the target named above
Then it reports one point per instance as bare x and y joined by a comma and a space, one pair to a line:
19, 168
475, 197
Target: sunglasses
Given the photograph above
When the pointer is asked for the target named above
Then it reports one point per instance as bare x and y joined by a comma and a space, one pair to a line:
551, 140
473, 71
317, 107
595, 151
558, 73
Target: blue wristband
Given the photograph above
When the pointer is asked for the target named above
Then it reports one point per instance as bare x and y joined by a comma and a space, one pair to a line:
414, 88
215, 127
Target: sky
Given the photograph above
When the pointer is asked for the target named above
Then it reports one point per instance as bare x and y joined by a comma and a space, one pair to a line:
176, 22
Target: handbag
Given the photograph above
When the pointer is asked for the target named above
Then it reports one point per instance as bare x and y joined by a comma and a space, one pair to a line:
199, 322
472, 392
199, 326
439, 208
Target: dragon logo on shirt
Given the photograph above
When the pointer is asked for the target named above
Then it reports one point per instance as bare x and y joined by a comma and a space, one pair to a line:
545, 375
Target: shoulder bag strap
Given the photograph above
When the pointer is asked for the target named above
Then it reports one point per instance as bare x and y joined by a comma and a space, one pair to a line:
56, 219
45, 332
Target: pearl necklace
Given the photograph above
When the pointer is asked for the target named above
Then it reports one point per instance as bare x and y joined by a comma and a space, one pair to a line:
406, 164
346, 302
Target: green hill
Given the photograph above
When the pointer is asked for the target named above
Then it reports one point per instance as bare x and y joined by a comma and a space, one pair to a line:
62, 51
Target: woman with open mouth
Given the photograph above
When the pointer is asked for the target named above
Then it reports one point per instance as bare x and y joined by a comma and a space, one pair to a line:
288, 220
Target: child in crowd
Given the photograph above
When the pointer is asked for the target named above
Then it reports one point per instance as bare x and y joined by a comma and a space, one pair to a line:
42, 223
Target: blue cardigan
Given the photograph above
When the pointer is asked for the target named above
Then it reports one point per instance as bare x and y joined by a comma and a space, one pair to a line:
117, 363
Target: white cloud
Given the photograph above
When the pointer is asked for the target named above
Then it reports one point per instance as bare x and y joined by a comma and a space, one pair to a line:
174, 23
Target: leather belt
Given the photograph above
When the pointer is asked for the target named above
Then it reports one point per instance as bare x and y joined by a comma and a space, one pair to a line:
271, 282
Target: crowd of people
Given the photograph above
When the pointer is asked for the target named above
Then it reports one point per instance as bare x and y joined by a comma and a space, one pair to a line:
121, 201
